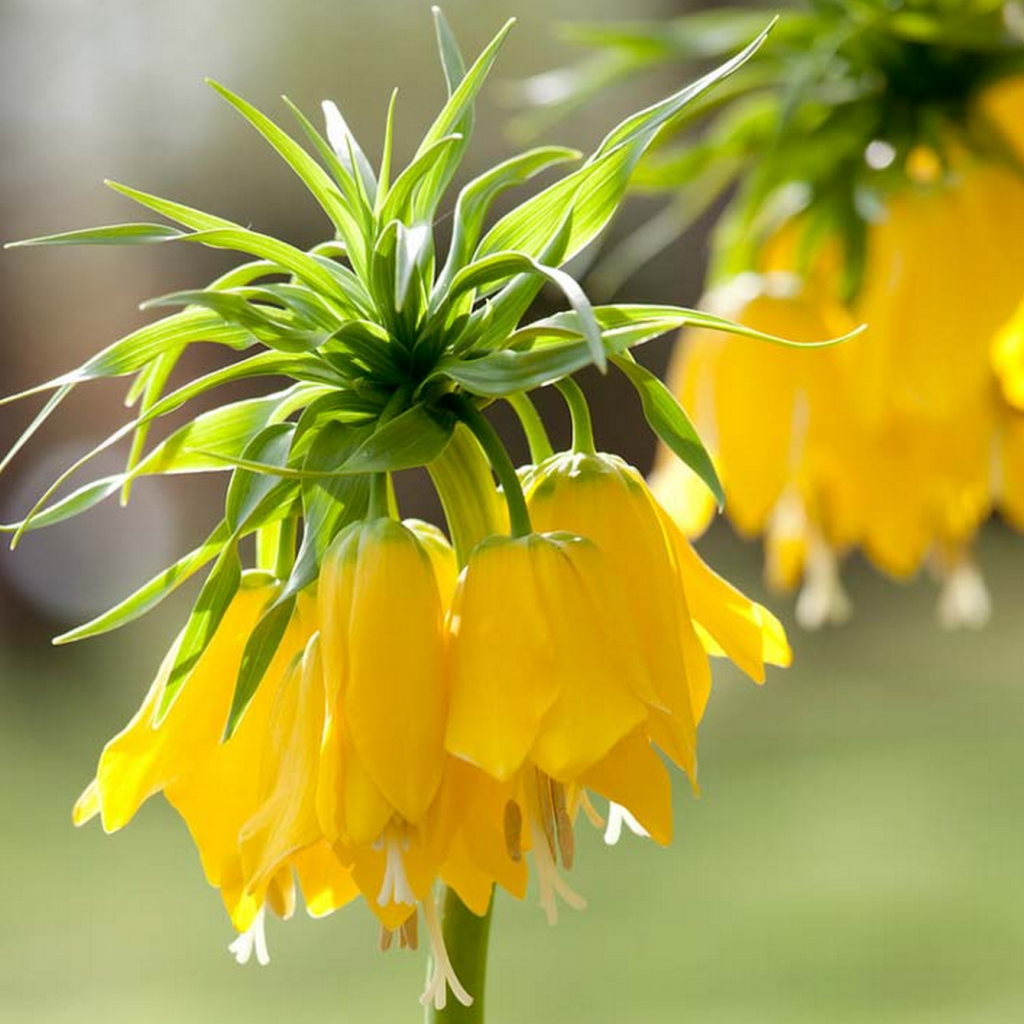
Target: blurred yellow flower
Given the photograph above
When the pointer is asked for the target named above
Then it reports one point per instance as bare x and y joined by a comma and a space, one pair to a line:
895, 442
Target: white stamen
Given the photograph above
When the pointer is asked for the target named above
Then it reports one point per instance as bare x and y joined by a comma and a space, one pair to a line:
549, 879
395, 887
964, 599
822, 600
442, 974
253, 938
617, 817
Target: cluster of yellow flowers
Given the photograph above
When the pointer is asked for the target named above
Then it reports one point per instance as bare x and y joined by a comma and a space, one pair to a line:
904, 441
420, 723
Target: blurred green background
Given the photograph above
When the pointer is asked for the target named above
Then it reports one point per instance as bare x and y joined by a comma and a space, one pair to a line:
857, 852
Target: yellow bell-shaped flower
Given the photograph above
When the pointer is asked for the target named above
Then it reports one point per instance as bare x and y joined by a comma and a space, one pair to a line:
542, 662
885, 442
603, 498
547, 695
213, 785
382, 610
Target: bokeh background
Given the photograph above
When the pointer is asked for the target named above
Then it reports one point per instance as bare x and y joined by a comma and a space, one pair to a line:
857, 852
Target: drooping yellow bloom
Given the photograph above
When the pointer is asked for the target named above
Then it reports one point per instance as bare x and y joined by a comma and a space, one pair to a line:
680, 608
383, 754
214, 785
572, 659
354, 768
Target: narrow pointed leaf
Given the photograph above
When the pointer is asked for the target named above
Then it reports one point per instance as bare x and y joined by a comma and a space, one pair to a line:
668, 419
152, 593
312, 175
259, 652
592, 194
218, 591
115, 234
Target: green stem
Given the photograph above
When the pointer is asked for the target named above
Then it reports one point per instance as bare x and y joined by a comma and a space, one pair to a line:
380, 504
533, 426
579, 410
518, 516
472, 507
466, 938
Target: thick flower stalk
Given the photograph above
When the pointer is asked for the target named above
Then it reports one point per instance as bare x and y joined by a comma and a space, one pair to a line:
874, 163
377, 708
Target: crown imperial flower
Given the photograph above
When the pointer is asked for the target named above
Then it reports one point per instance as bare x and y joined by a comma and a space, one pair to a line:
372, 708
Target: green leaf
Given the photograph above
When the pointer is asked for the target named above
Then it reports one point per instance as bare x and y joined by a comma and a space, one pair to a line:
593, 193
149, 596
669, 421
292, 260
218, 591
262, 322
501, 266
622, 327
115, 234
219, 233
41, 417
401, 203
490, 327
502, 373
347, 149
155, 376
135, 350
226, 430
298, 396
329, 502
475, 200
413, 249
72, 505
384, 182
453, 115
413, 438
451, 56
259, 652
271, 446
313, 176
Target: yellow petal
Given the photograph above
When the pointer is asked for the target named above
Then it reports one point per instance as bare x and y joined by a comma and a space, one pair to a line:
326, 884
390, 695
144, 758
634, 776
87, 806
286, 819
746, 632
598, 669
220, 792
503, 659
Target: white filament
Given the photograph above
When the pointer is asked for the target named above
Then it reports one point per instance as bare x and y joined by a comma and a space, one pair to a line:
395, 887
442, 974
253, 938
617, 817
549, 879
964, 599
822, 600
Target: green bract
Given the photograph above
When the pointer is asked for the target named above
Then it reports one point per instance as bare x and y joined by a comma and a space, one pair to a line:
790, 131
387, 347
